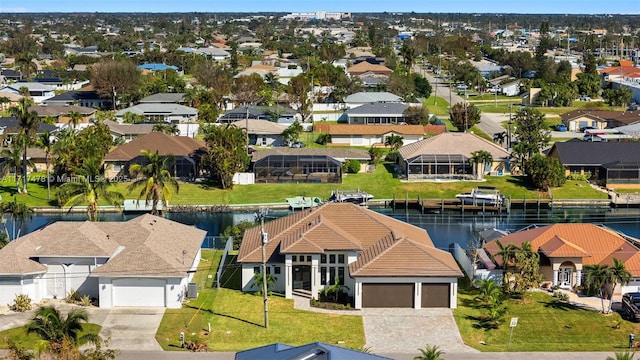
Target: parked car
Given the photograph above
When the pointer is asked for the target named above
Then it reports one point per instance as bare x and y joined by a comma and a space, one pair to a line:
585, 128
631, 305
250, 150
561, 127
298, 144
461, 87
584, 98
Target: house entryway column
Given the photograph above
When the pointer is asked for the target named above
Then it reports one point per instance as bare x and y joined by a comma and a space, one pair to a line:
315, 276
555, 277
288, 278
578, 277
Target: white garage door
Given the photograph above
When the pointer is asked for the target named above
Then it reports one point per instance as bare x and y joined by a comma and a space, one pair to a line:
138, 292
9, 288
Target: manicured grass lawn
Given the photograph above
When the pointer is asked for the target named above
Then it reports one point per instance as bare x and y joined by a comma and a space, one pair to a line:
544, 325
439, 109
31, 341
237, 318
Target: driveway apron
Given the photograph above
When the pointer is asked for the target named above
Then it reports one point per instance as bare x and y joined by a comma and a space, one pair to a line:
132, 328
401, 331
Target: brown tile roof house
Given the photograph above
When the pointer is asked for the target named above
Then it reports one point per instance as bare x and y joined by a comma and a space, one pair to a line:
62, 112
451, 152
145, 261
385, 262
602, 118
566, 248
366, 67
184, 149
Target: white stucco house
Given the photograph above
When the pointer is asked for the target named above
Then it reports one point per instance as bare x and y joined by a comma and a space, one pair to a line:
144, 262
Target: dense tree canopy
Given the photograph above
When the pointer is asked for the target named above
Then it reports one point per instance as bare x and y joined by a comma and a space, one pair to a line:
116, 79
227, 153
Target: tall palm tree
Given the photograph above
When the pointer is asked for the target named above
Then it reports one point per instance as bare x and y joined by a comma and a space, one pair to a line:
619, 275
478, 160
50, 325
394, 141
29, 121
90, 187
74, 119
19, 213
429, 353
507, 254
12, 162
499, 138
45, 143
154, 180
595, 276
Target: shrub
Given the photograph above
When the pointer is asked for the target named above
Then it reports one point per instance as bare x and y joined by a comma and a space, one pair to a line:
72, 297
21, 303
323, 138
85, 300
352, 166
392, 157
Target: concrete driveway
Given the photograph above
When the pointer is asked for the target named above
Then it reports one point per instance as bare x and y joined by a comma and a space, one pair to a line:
403, 331
129, 328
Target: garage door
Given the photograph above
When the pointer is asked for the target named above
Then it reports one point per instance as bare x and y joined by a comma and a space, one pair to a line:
9, 288
387, 295
435, 295
138, 292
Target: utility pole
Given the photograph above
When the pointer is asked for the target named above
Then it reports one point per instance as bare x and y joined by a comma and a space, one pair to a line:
265, 239
246, 126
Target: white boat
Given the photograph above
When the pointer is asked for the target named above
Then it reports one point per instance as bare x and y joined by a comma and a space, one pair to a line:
303, 202
482, 195
353, 196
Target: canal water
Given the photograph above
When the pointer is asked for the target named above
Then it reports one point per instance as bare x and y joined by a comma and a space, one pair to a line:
444, 228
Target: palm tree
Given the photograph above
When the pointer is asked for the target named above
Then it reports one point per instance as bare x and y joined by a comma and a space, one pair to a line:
394, 142
490, 292
619, 274
25, 63
507, 254
169, 129
19, 213
45, 143
479, 159
257, 281
90, 187
595, 276
12, 161
499, 138
29, 123
336, 289
429, 353
154, 180
50, 325
74, 119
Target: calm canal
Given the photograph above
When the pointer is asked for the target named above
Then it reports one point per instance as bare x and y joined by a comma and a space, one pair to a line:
444, 228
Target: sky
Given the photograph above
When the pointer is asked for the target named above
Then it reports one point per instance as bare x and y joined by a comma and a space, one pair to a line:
420, 6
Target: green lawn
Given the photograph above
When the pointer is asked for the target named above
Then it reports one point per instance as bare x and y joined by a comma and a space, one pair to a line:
31, 341
543, 325
237, 318
382, 183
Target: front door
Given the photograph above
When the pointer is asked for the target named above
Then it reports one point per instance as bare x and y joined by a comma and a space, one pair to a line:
565, 275
302, 277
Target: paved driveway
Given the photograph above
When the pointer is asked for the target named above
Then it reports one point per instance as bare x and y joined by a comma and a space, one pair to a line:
403, 331
129, 328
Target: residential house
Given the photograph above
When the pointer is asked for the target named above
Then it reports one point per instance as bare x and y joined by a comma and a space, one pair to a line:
367, 97
11, 99
565, 249
262, 132
366, 68
10, 127
376, 135
37, 158
317, 165
212, 52
144, 262
128, 132
164, 98
599, 119
317, 350
38, 92
153, 67
376, 113
448, 156
89, 99
610, 164
511, 88
280, 114
161, 112
184, 151
384, 262
62, 113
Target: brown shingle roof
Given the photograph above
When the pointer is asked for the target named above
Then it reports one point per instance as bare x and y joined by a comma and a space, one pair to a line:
625, 117
453, 143
147, 245
594, 244
365, 67
165, 145
384, 244
59, 110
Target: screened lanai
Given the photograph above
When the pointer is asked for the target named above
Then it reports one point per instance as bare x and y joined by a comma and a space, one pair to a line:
620, 174
298, 168
438, 167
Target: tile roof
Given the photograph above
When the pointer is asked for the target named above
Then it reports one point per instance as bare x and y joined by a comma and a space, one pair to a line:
336, 153
145, 246
383, 243
372, 129
625, 117
165, 145
364, 67
129, 129
453, 143
164, 98
60, 110
158, 108
262, 127
594, 244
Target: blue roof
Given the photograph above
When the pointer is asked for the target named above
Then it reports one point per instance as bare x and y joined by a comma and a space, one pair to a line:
279, 351
157, 67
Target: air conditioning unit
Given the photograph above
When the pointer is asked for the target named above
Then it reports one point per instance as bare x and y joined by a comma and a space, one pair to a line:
192, 290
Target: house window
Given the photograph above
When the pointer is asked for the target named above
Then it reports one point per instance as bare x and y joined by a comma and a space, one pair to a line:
256, 269
294, 258
323, 275
332, 259
117, 167
276, 270
332, 275
308, 258
323, 259
341, 275
341, 259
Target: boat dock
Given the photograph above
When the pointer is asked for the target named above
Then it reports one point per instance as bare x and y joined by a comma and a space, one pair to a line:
441, 205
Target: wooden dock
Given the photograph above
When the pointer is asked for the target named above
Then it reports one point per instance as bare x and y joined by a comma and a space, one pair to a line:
442, 205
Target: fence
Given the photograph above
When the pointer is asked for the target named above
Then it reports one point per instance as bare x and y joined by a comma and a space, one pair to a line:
461, 257
228, 247
214, 242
